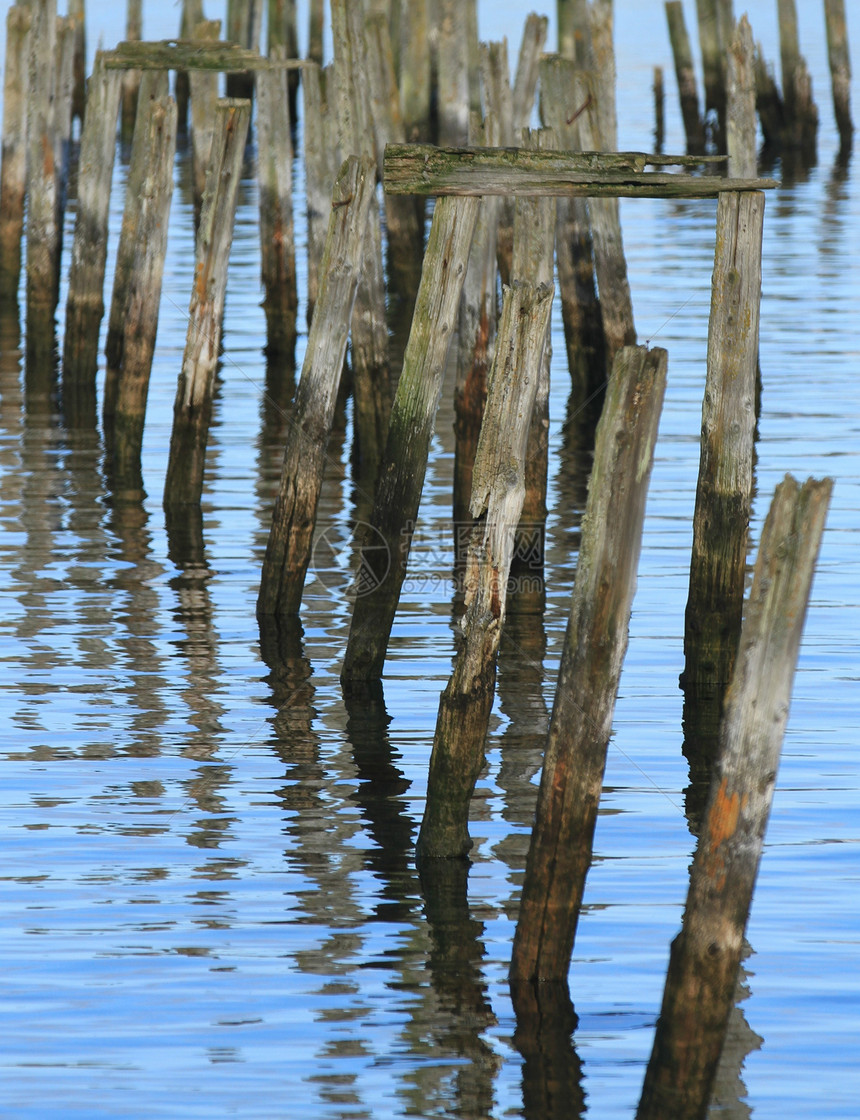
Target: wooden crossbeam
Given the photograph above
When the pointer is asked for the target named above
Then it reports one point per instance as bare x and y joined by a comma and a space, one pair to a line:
188, 54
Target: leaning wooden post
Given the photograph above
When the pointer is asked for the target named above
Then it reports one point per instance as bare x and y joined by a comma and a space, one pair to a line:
398, 492
193, 405
685, 74
840, 70
528, 69
289, 546
144, 291
724, 490
594, 647
203, 89
704, 960
277, 242
321, 147
85, 300
13, 169
497, 497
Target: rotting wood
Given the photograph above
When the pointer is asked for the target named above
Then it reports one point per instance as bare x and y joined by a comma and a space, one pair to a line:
427, 170
713, 42
685, 74
203, 87
64, 88
193, 404
497, 497
13, 169
85, 300
177, 54
289, 546
401, 479
571, 782
704, 959
840, 70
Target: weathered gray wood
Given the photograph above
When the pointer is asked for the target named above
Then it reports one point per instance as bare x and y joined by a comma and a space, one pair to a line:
800, 109
694, 127
203, 87
426, 170
594, 647
315, 34
64, 88
497, 495
602, 110
724, 489
453, 71
840, 69
13, 168
741, 125
703, 965
79, 65
713, 45
659, 108
85, 299
289, 546
415, 70
277, 241
193, 405
574, 41
398, 491
321, 148
244, 26
192, 15
153, 87
499, 102
283, 43
170, 54
143, 296
131, 76
528, 68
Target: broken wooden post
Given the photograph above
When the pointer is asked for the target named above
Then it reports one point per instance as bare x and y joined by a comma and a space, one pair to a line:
497, 496
193, 405
724, 490
290, 538
131, 78
704, 960
596, 640
528, 69
401, 479
840, 71
277, 241
685, 73
85, 300
13, 168
143, 295
203, 89
153, 87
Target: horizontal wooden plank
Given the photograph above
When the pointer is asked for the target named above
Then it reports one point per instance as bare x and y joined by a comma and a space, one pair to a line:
426, 170
188, 54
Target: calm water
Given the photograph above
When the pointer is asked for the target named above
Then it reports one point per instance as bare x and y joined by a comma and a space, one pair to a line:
209, 902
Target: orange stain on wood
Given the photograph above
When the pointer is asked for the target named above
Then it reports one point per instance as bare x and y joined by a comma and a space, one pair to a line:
724, 814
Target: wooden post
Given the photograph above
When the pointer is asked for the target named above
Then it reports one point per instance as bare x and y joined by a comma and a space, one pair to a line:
315, 34
659, 109
594, 647
574, 41
277, 242
284, 43
85, 300
453, 72
79, 67
497, 496
840, 70
740, 103
289, 547
131, 78
143, 295
800, 110
703, 965
528, 69
685, 74
398, 492
244, 25
203, 87
153, 87
192, 15
712, 47
13, 169
321, 147
500, 104
415, 70
193, 405
724, 489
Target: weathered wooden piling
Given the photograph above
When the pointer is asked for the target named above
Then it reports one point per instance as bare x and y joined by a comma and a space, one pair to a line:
85, 300
528, 70
203, 88
452, 53
315, 33
499, 100
595, 643
497, 496
714, 31
192, 15
153, 87
840, 70
289, 546
193, 405
415, 70
321, 148
143, 295
79, 67
131, 78
704, 960
724, 489
800, 110
13, 166
574, 41
277, 240
740, 103
283, 42
401, 479
244, 26
694, 127
659, 109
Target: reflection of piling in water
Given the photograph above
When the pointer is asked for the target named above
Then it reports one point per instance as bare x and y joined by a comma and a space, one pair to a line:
552, 1069
13, 169
703, 965
289, 546
497, 494
595, 643
193, 405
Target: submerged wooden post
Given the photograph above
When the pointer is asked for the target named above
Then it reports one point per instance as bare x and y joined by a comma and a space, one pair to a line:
840, 70
13, 169
277, 241
203, 88
724, 489
401, 480
497, 497
289, 546
85, 300
193, 405
685, 74
704, 960
594, 647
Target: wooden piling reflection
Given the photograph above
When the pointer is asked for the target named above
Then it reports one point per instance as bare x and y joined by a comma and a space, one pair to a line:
594, 647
